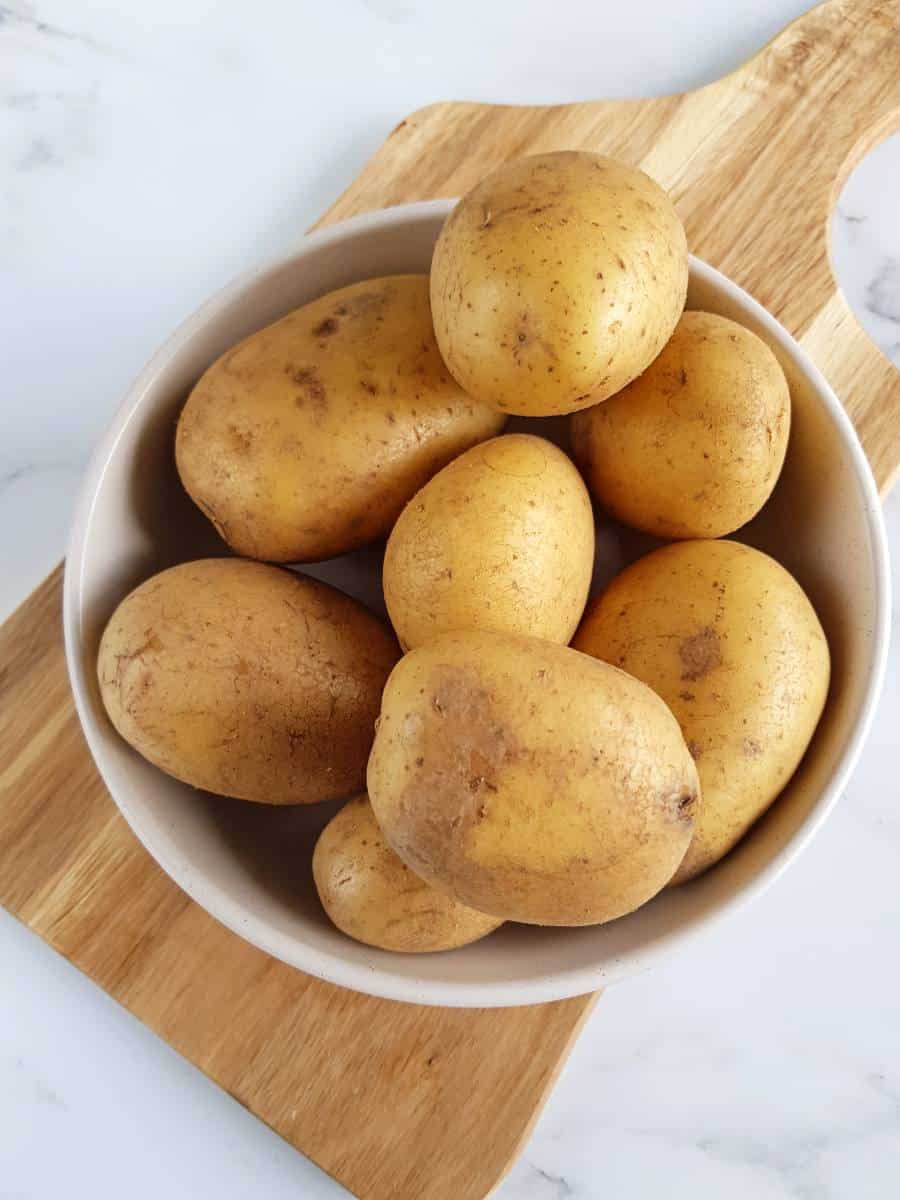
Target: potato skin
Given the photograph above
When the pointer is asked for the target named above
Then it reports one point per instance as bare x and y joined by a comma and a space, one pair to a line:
730, 641
247, 680
695, 445
502, 539
556, 281
372, 896
306, 440
527, 782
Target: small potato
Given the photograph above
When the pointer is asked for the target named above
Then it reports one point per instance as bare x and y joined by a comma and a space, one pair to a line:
695, 445
732, 644
556, 281
530, 781
502, 539
306, 440
375, 898
247, 680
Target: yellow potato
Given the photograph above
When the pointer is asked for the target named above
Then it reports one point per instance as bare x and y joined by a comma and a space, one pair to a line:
247, 680
307, 439
556, 281
732, 644
695, 445
372, 896
530, 781
502, 538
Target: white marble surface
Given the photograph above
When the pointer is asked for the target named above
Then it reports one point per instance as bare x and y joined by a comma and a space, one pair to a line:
147, 154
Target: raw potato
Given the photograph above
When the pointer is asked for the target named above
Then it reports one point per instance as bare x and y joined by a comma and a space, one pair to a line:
530, 781
502, 539
247, 680
556, 281
732, 644
695, 445
306, 440
372, 896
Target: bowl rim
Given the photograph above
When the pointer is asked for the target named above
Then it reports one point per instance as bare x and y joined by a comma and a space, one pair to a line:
369, 978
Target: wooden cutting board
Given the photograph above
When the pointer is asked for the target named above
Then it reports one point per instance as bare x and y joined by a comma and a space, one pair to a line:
393, 1100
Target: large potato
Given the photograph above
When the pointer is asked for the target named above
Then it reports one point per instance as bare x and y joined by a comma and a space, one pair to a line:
502, 538
530, 781
732, 644
371, 895
247, 680
556, 281
307, 439
695, 445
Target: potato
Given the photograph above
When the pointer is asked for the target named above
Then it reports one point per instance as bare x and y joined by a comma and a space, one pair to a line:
530, 781
247, 680
732, 644
695, 445
502, 538
556, 281
372, 896
307, 439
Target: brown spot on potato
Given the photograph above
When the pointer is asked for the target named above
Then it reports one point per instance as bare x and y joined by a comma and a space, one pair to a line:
326, 328
313, 388
241, 441
700, 654
446, 792
685, 803
751, 748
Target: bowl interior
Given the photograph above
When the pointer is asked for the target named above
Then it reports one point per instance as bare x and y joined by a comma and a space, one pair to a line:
249, 865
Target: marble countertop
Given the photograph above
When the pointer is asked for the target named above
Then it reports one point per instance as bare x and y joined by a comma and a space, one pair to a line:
147, 154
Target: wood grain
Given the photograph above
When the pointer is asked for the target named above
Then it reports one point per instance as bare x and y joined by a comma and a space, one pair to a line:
394, 1100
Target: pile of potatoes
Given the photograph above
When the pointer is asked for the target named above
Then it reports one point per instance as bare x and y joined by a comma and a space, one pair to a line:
513, 753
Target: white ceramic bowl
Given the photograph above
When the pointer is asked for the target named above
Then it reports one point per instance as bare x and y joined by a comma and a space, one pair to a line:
249, 865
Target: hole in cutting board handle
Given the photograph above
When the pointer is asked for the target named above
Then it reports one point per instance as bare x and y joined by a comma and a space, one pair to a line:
864, 246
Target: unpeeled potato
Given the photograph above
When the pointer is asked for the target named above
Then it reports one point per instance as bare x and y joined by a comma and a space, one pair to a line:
247, 680
306, 440
530, 781
556, 281
694, 446
502, 539
730, 641
372, 896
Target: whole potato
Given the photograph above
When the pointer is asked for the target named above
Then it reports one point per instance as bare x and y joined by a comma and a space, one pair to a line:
372, 896
556, 281
695, 445
307, 439
502, 538
530, 781
732, 644
247, 680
